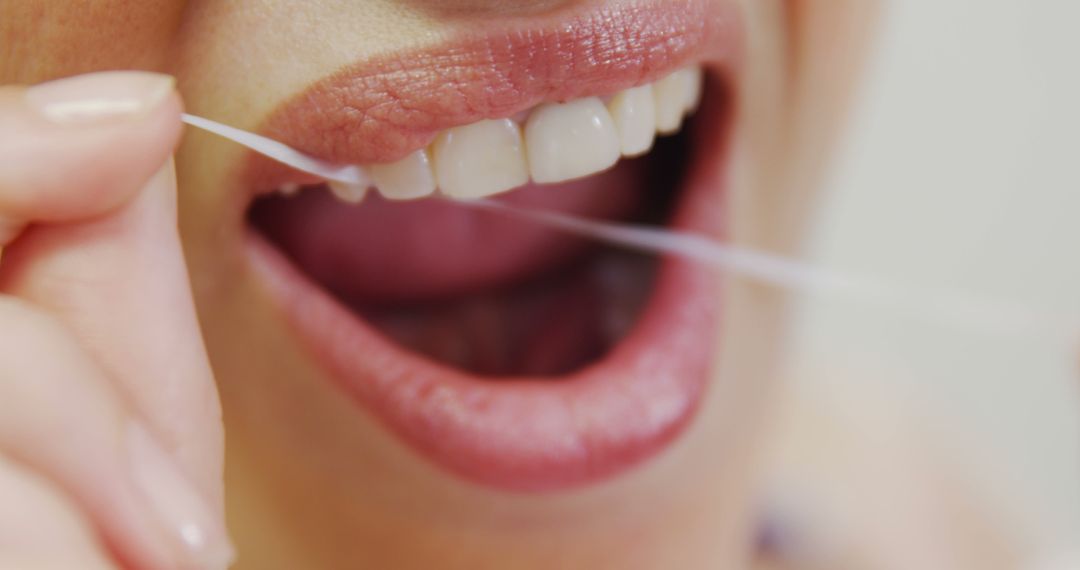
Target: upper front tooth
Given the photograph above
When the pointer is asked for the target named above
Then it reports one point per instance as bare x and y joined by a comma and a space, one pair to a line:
570, 140
351, 193
695, 87
406, 179
480, 159
634, 115
672, 94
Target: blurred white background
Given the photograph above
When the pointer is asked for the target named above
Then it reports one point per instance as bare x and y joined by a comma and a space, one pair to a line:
962, 169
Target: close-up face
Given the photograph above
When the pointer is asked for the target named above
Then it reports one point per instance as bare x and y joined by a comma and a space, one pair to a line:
409, 380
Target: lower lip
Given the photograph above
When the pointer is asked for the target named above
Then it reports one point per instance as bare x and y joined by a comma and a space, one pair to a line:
520, 434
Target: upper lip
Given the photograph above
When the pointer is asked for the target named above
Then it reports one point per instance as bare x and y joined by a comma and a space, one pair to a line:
380, 110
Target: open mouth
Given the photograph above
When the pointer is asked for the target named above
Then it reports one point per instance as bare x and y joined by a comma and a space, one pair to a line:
509, 353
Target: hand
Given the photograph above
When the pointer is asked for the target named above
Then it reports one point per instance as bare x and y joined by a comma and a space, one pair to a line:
110, 429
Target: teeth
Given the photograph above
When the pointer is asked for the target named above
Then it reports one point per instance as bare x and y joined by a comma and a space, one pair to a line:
570, 140
562, 141
672, 95
695, 87
480, 159
406, 179
289, 189
634, 114
348, 192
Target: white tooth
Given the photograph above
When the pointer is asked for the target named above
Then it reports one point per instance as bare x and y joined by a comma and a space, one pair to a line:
671, 95
350, 193
289, 189
480, 159
634, 115
694, 88
406, 179
570, 140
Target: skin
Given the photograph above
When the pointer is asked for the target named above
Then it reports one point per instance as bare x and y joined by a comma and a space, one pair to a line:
312, 482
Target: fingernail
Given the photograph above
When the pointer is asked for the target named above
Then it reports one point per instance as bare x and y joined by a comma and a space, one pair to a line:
179, 507
99, 97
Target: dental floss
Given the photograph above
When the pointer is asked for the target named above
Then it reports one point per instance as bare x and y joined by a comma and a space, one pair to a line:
962, 311
976, 314
350, 175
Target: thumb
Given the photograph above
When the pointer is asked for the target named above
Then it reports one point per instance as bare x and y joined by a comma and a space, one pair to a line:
77, 148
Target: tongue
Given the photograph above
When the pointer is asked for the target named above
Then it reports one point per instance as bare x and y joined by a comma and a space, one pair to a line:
547, 327
395, 253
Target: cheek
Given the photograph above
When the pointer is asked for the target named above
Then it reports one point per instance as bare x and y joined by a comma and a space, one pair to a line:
804, 63
830, 42
56, 38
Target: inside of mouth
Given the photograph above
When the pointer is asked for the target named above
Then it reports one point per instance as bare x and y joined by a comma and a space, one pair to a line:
490, 295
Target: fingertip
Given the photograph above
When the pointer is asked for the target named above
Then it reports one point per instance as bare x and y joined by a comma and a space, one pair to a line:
80, 147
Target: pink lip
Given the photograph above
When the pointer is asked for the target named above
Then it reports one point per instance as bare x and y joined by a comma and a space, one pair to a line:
381, 110
522, 434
